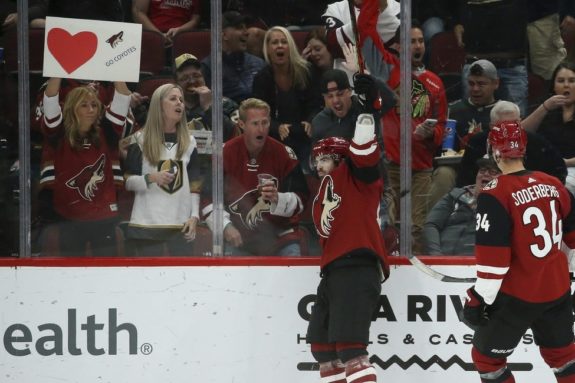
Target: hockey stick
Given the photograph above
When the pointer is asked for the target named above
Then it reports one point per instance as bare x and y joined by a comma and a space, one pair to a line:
360, 62
436, 274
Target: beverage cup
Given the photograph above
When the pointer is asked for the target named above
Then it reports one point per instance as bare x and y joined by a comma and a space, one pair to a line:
264, 179
448, 147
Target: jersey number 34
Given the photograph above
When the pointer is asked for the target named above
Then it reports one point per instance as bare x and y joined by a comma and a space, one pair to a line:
546, 235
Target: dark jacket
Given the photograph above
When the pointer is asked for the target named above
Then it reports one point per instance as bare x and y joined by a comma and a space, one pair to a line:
539, 155
450, 225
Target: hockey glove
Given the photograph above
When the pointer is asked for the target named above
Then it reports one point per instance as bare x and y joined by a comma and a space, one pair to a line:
474, 312
366, 88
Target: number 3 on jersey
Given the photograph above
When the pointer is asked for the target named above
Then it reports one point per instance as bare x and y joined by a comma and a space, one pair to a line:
482, 222
541, 230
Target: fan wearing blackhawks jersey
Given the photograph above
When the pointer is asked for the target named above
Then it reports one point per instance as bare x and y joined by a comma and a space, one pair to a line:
522, 274
80, 164
352, 261
428, 103
261, 220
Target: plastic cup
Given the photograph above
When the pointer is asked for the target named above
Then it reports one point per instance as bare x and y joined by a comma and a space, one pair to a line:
264, 179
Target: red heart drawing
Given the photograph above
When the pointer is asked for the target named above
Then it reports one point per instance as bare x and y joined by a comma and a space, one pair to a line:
71, 51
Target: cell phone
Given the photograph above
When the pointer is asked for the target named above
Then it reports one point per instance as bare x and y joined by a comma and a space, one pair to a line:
430, 122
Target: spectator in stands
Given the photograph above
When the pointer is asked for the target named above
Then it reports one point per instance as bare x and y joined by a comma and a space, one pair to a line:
428, 101
167, 17
108, 10
435, 16
546, 47
9, 16
480, 31
540, 154
567, 26
337, 19
450, 225
285, 84
161, 168
261, 220
317, 52
339, 117
472, 116
198, 97
239, 67
554, 119
81, 165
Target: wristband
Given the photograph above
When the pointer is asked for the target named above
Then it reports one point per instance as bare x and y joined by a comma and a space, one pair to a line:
147, 179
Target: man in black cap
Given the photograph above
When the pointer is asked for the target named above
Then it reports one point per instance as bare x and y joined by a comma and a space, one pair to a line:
342, 107
238, 66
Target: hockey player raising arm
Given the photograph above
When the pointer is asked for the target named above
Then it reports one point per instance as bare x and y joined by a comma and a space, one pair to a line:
522, 274
345, 214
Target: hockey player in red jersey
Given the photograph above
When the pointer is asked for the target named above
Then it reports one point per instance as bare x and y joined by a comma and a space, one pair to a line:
522, 274
351, 264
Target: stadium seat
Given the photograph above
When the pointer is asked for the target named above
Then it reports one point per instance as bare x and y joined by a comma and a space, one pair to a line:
446, 56
299, 37
148, 85
152, 58
197, 43
35, 50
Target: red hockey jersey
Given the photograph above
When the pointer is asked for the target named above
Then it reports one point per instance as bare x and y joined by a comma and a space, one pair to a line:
346, 208
84, 180
520, 222
166, 14
249, 213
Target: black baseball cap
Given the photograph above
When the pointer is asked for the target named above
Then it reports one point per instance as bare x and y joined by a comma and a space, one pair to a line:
233, 19
334, 75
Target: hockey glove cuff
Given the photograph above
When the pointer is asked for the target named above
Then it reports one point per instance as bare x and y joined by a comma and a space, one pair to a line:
366, 88
474, 312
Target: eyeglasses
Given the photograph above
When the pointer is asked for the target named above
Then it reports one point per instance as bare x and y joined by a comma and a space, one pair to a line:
190, 78
490, 171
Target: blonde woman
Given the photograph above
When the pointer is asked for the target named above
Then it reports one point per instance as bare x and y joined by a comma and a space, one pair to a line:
80, 165
286, 86
161, 168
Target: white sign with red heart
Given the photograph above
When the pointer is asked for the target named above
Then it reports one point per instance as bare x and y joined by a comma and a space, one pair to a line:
92, 50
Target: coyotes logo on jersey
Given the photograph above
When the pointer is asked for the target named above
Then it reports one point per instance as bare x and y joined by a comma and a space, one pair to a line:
330, 201
86, 181
250, 207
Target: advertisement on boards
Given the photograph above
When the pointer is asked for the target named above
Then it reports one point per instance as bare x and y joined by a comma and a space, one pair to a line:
223, 324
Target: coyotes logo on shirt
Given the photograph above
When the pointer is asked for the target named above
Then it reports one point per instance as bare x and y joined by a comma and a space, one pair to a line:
330, 201
249, 208
86, 181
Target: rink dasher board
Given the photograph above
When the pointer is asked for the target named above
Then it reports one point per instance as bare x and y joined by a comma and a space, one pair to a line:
222, 324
